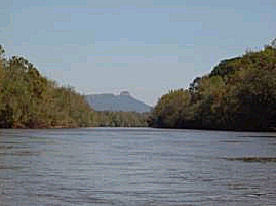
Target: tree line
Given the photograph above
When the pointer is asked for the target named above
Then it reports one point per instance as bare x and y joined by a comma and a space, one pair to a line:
120, 119
29, 100
238, 94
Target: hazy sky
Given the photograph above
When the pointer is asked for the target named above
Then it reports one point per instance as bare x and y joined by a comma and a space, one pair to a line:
144, 46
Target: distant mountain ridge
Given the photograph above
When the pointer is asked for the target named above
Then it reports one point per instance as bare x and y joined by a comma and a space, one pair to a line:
123, 102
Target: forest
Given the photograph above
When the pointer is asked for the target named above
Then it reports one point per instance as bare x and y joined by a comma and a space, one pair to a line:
120, 119
238, 94
29, 100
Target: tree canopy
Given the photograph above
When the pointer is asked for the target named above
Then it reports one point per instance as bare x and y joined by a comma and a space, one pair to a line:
238, 94
29, 100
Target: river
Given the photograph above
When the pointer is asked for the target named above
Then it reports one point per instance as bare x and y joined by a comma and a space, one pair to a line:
136, 166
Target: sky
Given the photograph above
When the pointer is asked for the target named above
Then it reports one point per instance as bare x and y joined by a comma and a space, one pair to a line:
146, 47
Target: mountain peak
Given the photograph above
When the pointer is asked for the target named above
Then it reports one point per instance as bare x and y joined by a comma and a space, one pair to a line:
124, 93
122, 102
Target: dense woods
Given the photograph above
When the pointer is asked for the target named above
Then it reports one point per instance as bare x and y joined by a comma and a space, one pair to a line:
120, 119
29, 100
238, 94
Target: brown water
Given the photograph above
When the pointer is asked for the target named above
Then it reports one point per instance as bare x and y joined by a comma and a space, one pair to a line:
149, 167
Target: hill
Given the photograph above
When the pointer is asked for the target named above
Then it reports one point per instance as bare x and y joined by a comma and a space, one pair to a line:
123, 102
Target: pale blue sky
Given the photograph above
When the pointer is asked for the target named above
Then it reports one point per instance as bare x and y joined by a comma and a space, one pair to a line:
144, 46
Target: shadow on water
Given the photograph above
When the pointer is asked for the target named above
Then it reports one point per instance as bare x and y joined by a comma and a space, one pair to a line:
5, 147
234, 141
3, 167
253, 159
21, 153
259, 136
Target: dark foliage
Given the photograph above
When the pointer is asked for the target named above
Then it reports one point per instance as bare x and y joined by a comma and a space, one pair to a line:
120, 119
238, 94
29, 100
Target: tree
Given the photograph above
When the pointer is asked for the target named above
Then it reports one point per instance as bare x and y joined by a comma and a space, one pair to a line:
238, 94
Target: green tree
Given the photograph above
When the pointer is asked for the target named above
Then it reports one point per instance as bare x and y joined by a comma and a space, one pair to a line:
239, 94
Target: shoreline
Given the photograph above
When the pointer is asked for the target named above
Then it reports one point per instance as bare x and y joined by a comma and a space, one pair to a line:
199, 129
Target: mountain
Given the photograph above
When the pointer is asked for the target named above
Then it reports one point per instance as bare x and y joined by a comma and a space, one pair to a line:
123, 102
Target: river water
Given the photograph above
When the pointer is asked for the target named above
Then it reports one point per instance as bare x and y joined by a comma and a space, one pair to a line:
136, 166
